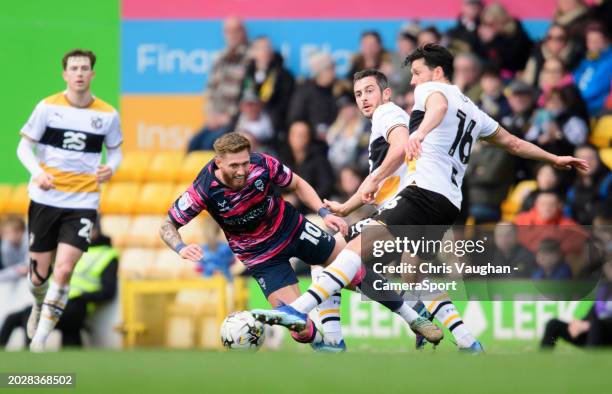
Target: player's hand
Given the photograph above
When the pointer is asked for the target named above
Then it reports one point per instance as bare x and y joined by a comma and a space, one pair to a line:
413, 150
336, 224
368, 190
334, 207
192, 252
578, 327
45, 181
104, 173
567, 162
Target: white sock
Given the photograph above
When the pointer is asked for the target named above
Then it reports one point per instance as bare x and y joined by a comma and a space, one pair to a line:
53, 307
333, 278
407, 313
328, 312
446, 312
39, 292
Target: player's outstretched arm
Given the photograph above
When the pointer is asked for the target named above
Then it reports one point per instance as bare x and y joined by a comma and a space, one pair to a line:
436, 106
171, 237
527, 150
309, 197
397, 139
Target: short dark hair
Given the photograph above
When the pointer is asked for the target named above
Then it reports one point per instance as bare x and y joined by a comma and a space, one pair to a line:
372, 33
381, 79
435, 56
79, 53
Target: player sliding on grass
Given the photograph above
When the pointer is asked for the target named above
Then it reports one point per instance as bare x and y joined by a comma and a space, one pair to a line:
263, 230
443, 126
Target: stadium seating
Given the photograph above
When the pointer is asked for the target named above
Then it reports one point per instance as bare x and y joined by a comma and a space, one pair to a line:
119, 198
601, 136
193, 163
192, 232
165, 167
19, 200
5, 195
154, 198
143, 231
133, 167
168, 264
606, 156
515, 198
116, 226
136, 263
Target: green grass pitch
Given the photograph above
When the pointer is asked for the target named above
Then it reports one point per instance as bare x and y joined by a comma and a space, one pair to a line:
507, 370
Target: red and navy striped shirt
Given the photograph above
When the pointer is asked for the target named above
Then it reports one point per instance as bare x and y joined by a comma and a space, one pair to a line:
257, 222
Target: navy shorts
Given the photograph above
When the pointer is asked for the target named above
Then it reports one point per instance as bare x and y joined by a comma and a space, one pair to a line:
311, 244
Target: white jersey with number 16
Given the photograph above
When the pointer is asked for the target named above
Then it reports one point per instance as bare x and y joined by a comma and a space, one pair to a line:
447, 148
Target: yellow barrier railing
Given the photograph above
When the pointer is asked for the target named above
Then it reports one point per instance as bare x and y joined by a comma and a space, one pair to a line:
182, 313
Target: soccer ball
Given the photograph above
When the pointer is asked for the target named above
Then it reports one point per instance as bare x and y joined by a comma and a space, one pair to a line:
240, 331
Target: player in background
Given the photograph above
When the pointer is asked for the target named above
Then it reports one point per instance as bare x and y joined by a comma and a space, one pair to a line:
443, 125
237, 189
61, 146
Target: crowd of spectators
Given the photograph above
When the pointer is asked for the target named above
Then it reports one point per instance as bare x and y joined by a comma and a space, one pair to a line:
550, 92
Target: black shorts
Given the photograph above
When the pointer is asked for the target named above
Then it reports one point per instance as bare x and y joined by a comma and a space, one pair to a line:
311, 244
49, 226
412, 206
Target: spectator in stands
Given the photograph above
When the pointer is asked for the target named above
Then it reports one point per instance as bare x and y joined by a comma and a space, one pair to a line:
467, 68
93, 282
573, 16
217, 255
508, 251
591, 189
547, 178
13, 249
308, 161
371, 54
348, 135
254, 119
521, 99
557, 128
504, 41
492, 100
225, 79
490, 173
550, 262
554, 46
595, 329
270, 80
546, 220
594, 73
554, 75
429, 35
214, 128
464, 34
398, 75
314, 102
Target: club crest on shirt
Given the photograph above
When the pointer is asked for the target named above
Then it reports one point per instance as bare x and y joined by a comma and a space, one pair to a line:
259, 185
96, 122
185, 201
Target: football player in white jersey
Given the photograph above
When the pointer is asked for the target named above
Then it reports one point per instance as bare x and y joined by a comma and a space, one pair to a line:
389, 173
68, 131
442, 137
